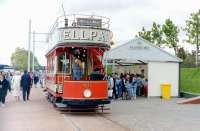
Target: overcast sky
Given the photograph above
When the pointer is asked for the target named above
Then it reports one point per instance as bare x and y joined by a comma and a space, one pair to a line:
127, 18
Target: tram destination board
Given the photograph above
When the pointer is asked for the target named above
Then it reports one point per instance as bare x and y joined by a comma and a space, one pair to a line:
89, 22
85, 35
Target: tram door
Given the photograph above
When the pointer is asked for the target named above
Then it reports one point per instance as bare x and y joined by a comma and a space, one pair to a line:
79, 64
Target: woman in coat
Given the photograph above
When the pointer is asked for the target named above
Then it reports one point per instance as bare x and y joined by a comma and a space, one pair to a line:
16, 85
4, 87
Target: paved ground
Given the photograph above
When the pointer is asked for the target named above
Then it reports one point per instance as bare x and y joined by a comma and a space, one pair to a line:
140, 115
156, 115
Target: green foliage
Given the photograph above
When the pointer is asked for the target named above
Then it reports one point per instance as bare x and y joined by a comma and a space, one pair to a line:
171, 32
189, 61
182, 53
193, 27
157, 34
20, 57
190, 80
145, 34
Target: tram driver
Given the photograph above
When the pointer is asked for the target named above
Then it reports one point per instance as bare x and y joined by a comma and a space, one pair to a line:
77, 69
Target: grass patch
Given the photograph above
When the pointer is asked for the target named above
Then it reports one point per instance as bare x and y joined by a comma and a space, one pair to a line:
190, 80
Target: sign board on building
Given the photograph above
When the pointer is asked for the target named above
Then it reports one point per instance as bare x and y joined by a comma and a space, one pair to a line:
139, 46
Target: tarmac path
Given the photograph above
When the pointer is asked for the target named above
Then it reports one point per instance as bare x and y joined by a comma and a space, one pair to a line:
39, 115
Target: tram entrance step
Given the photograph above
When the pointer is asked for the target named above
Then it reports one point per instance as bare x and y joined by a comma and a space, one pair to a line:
60, 105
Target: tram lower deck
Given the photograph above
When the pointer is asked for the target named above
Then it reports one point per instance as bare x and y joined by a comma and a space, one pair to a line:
75, 77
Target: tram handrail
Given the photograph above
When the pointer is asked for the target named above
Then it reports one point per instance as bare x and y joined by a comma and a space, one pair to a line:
105, 20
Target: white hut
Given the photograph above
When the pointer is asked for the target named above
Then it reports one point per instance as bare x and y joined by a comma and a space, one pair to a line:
162, 67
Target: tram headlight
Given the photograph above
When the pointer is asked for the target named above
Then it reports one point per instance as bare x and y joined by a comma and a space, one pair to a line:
87, 93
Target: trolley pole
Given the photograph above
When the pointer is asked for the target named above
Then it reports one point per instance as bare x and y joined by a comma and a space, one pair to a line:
29, 45
33, 59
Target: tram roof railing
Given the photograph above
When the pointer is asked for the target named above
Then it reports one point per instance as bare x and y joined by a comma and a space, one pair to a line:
80, 20
77, 21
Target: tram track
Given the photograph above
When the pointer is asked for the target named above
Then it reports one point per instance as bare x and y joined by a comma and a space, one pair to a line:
74, 126
90, 122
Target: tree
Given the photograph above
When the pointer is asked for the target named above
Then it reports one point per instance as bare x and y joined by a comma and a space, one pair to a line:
20, 57
181, 53
157, 34
189, 60
193, 29
171, 35
145, 34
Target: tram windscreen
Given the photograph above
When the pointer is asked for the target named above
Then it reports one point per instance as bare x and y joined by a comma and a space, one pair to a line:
64, 63
79, 60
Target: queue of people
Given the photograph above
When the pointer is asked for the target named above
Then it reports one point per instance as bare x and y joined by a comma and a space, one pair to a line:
18, 84
127, 86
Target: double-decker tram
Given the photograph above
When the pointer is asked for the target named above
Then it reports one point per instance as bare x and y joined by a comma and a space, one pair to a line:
75, 72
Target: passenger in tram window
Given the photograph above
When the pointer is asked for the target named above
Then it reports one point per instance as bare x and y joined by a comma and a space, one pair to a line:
96, 75
77, 69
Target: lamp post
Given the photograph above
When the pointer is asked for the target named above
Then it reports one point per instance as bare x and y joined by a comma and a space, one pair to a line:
33, 59
34, 42
29, 45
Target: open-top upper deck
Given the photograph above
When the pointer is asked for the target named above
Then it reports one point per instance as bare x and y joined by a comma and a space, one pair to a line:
80, 30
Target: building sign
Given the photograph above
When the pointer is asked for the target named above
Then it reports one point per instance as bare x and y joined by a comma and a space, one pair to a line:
139, 46
87, 35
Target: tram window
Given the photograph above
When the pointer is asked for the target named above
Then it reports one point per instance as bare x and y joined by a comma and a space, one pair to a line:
79, 64
64, 63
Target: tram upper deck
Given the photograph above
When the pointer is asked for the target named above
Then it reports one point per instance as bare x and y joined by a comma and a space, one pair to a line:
80, 30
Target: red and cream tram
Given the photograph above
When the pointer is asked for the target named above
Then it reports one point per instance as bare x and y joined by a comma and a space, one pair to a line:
75, 73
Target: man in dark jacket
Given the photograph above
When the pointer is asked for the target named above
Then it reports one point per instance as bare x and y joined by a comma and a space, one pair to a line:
25, 84
4, 87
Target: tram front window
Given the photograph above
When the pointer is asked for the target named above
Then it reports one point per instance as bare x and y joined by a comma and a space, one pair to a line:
64, 64
78, 64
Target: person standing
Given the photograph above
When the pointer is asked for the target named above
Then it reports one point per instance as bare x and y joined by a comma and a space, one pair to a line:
4, 87
77, 69
119, 89
9, 77
123, 88
16, 85
129, 86
31, 84
36, 79
135, 86
25, 84
115, 96
111, 84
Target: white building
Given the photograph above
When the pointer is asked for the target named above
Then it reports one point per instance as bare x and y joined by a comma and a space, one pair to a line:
162, 67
